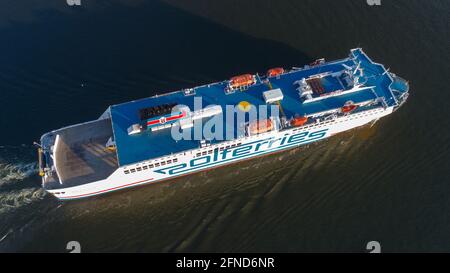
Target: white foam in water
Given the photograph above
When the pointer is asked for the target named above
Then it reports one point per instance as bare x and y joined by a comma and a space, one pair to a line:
20, 171
14, 199
12, 174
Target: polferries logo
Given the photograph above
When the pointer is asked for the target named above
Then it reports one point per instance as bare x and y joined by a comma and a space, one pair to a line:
249, 149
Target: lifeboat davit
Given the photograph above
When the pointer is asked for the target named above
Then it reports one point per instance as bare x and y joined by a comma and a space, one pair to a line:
348, 108
242, 80
275, 71
299, 121
317, 62
260, 126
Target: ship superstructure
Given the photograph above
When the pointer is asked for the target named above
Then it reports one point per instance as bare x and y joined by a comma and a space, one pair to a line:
133, 143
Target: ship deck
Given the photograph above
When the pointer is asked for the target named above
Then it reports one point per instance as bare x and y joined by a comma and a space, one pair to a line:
147, 145
79, 154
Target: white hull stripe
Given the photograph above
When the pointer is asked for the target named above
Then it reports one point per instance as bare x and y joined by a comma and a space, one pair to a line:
107, 190
189, 171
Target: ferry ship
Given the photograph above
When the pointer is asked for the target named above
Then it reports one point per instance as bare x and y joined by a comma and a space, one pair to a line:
133, 143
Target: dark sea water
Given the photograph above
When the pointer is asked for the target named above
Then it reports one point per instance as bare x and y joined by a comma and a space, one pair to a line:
390, 183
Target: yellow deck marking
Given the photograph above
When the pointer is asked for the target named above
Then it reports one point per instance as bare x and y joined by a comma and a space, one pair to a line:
244, 106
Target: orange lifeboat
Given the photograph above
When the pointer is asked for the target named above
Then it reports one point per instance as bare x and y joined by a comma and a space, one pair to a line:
348, 108
299, 121
242, 80
260, 126
275, 71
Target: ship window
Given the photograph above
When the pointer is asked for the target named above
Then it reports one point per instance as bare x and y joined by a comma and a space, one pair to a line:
157, 165
199, 154
204, 153
210, 152
133, 170
127, 172
221, 148
150, 166
139, 169
239, 143
163, 163
144, 167
175, 160
227, 146
169, 161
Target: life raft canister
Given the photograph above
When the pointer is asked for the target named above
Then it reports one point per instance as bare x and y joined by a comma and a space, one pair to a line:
348, 108
299, 121
275, 71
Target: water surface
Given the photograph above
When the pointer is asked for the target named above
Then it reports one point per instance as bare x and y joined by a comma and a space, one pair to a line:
62, 65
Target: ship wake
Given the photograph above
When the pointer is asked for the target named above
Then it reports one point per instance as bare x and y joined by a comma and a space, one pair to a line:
14, 172
17, 198
19, 184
